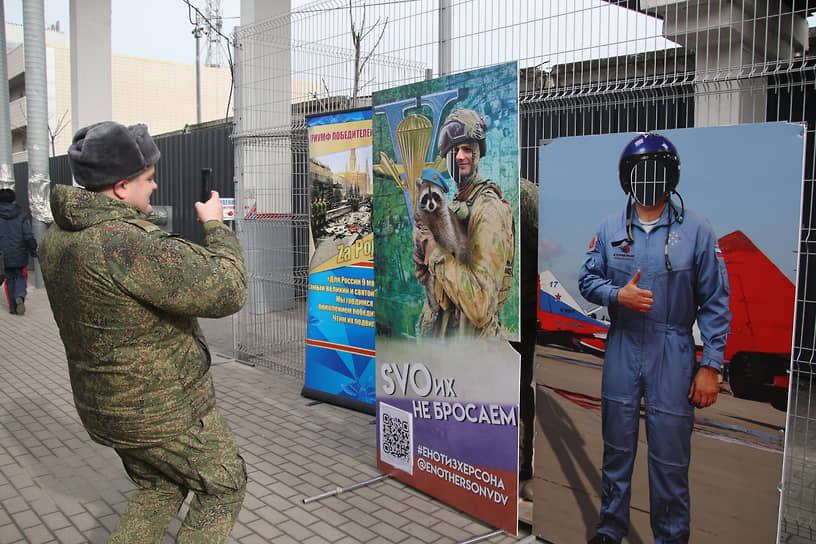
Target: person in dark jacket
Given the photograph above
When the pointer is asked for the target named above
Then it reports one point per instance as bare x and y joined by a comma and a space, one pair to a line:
17, 243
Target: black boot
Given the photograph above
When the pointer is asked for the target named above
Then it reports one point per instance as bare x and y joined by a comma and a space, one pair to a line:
601, 538
526, 490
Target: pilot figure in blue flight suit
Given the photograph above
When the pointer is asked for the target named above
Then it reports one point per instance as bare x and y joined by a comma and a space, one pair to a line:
657, 267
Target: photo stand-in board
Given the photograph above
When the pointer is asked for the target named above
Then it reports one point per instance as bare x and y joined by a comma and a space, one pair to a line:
747, 181
447, 379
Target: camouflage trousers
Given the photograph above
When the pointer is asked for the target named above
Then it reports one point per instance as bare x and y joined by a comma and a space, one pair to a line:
204, 460
526, 348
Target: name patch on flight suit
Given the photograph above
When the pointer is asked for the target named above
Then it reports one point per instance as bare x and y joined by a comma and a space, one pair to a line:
622, 253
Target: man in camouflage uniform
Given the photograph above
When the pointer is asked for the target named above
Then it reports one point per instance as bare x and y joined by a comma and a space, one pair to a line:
125, 296
469, 296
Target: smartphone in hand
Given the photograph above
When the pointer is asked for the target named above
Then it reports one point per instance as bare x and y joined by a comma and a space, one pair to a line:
206, 184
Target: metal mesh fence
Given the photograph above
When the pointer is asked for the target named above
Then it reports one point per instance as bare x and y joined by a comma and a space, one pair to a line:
585, 67
279, 82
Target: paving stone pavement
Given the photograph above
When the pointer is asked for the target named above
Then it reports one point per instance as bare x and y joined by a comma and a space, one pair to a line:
57, 486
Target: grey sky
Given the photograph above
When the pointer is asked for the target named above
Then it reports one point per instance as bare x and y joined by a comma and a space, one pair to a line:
161, 29
153, 29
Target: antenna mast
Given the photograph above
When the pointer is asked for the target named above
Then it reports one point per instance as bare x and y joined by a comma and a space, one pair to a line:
213, 12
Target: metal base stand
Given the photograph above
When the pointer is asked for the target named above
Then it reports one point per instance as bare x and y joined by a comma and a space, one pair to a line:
525, 540
220, 359
339, 490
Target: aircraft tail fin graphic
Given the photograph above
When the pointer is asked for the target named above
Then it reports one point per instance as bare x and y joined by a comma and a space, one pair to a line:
559, 312
762, 298
551, 286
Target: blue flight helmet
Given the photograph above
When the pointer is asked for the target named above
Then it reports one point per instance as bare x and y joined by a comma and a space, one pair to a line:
649, 169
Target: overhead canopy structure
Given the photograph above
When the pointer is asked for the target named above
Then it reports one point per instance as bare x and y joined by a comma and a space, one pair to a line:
751, 32
647, 6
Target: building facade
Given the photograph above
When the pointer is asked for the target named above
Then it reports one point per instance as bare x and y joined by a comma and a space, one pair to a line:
158, 93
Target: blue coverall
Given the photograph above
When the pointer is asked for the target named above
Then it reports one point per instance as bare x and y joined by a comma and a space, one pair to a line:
653, 356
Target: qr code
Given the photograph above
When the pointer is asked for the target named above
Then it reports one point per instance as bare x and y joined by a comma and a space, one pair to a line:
396, 438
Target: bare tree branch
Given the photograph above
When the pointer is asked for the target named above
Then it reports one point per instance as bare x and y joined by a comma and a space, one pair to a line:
374, 48
62, 124
358, 34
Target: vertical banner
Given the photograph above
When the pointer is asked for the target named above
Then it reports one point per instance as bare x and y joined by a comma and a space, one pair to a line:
340, 330
746, 181
446, 210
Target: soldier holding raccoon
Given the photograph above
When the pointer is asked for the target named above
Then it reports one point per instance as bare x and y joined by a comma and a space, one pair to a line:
465, 295
464, 253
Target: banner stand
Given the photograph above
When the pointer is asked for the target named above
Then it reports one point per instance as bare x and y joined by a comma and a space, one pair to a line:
352, 487
483, 537
381, 477
340, 330
525, 540
338, 400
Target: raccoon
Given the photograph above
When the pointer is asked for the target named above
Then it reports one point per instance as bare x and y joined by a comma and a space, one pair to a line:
433, 213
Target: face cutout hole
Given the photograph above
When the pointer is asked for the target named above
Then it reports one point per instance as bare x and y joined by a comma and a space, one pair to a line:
648, 180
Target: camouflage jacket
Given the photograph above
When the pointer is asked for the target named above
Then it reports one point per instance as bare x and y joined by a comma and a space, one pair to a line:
470, 296
528, 217
125, 296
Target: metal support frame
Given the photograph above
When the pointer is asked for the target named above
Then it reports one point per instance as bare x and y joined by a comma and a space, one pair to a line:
352, 487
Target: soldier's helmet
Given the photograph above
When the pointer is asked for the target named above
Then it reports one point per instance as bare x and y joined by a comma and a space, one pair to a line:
462, 125
649, 185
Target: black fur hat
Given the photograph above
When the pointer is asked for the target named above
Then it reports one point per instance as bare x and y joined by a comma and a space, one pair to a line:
107, 152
